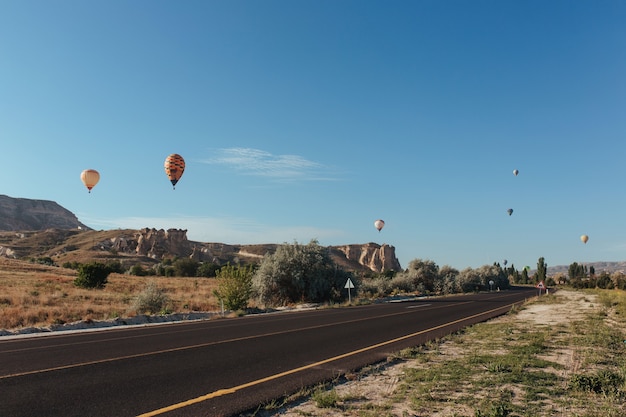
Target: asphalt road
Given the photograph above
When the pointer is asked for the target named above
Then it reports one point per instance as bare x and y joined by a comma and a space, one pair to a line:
220, 367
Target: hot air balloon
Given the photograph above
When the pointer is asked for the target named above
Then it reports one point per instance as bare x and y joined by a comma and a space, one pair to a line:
379, 224
510, 211
90, 178
515, 172
174, 168
584, 238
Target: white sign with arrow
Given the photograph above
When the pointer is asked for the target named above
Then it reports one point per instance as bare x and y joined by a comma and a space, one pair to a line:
349, 285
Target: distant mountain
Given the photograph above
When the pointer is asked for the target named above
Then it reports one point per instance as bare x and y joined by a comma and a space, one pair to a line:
26, 214
599, 267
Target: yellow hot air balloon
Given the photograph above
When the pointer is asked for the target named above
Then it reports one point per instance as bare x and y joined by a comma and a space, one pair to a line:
174, 168
90, 178
379, 224
584, 238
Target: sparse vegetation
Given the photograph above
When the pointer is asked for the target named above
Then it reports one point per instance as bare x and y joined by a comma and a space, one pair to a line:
40, 295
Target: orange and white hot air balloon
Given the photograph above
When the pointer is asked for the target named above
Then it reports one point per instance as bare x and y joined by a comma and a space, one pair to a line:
584, 238
90, 178
174, 168
379, 224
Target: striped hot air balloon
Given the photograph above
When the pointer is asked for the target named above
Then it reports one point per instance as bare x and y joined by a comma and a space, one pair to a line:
174, 168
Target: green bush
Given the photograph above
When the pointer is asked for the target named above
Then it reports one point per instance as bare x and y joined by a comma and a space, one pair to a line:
207, 269
138, 270
185, 267
234, 286
93, 275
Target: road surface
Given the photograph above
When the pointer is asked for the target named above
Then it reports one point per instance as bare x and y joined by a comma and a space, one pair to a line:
220, 367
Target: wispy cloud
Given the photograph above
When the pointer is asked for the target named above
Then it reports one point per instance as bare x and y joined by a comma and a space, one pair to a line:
256, 162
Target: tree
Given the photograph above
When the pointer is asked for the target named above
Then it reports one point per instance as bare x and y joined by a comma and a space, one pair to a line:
493, 273
423, 273
524, 279
93, 275
234, 286
469, 280
542, 269
577, 271
604, 281
446, 280
299, 273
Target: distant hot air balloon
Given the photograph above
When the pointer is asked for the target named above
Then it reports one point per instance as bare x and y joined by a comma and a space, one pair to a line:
90, 178
379, 224
584, 238
505, 262
510, 211
515, 172
174, 168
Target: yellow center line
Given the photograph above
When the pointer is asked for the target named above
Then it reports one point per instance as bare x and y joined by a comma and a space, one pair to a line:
226, 391
177, 349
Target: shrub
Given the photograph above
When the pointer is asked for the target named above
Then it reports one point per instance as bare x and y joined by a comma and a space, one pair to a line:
207, 269
299, 273
185, 267
93, 275
234, 286
138, 270
151, 300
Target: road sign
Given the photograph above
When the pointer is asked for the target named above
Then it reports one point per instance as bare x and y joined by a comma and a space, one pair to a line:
541, 286
349, 285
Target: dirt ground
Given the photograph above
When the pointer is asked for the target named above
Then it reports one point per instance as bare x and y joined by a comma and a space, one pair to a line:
378, 386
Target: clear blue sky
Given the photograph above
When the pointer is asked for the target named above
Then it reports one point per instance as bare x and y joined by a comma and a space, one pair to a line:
303, 120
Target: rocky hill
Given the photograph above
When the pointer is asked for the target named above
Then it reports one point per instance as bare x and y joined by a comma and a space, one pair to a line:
150, 246
38, 228
27, 214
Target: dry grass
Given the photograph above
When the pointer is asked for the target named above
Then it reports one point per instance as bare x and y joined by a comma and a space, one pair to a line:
38, 295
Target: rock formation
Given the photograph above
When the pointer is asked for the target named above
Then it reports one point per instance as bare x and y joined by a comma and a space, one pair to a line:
26, 214
375, 257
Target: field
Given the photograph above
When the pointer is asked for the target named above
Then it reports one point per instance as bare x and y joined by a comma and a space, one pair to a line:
33, 295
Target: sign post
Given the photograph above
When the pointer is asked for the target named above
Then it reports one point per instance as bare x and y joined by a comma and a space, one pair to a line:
349, 285
541, 286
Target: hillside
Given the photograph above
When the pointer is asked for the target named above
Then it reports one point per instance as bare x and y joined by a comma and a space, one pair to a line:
27, 214
41, 228
150, 246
